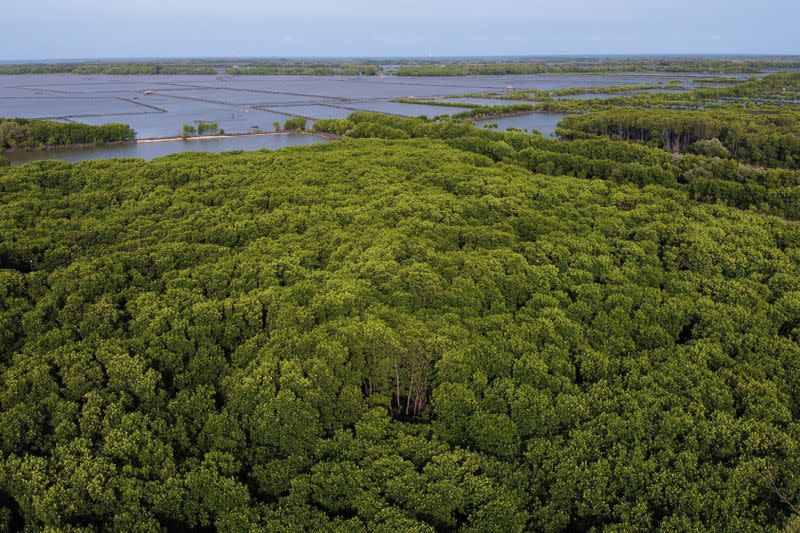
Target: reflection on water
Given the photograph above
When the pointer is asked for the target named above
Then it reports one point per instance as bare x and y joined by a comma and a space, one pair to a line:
152, 150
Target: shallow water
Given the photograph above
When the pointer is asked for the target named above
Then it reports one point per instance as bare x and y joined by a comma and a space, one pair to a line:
407, 110
151, 150
543, 122
158, 106
316, 111
175, 100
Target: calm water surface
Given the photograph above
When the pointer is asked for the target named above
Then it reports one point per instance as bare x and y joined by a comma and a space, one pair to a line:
158, 149
544, 122
158, 106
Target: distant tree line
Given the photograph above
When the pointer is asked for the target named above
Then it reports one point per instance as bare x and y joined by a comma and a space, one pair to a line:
546, 94
413, 67
767, 138
774, 91
115, 69
303, 70
467, 68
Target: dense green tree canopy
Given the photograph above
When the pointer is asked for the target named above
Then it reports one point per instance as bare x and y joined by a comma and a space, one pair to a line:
21, 133
295, 124
395, 335
709, 179
756, 137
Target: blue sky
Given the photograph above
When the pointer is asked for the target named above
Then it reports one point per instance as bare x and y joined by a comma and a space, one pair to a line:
44, 29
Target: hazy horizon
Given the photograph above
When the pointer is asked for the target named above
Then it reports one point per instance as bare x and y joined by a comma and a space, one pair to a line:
86, 29
543, 57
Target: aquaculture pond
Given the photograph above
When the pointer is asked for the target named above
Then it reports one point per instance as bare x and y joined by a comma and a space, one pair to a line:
157, 106
543, 122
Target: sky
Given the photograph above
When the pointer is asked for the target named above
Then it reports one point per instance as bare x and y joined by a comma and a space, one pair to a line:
59, 29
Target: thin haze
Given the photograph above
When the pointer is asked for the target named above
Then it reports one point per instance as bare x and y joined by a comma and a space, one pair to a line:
50, 29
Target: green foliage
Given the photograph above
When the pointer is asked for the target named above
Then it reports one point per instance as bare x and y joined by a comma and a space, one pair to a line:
537, 94
188, 130
207, 128
769, 93
711, 147
466, 68
706, 179
28, 134
441, 103
482, 112
332, 125
476, 111
396, 335
426, 326
370, 67
769, 138
304, 69
295, 124
111, 68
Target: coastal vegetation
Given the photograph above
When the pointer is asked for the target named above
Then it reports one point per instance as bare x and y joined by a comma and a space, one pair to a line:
28, 134
295, 124
722, 66
201, 129
207, 67
541, 94
419, 67
208, 128
306, 70
482, 112
422, 326
755, 137
742, 121
476, 111
701, 173
774, 90
111, 69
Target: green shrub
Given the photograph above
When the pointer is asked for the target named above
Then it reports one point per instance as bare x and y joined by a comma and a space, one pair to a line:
295, 124
710, 147
207, 128
332, 125
28, 133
